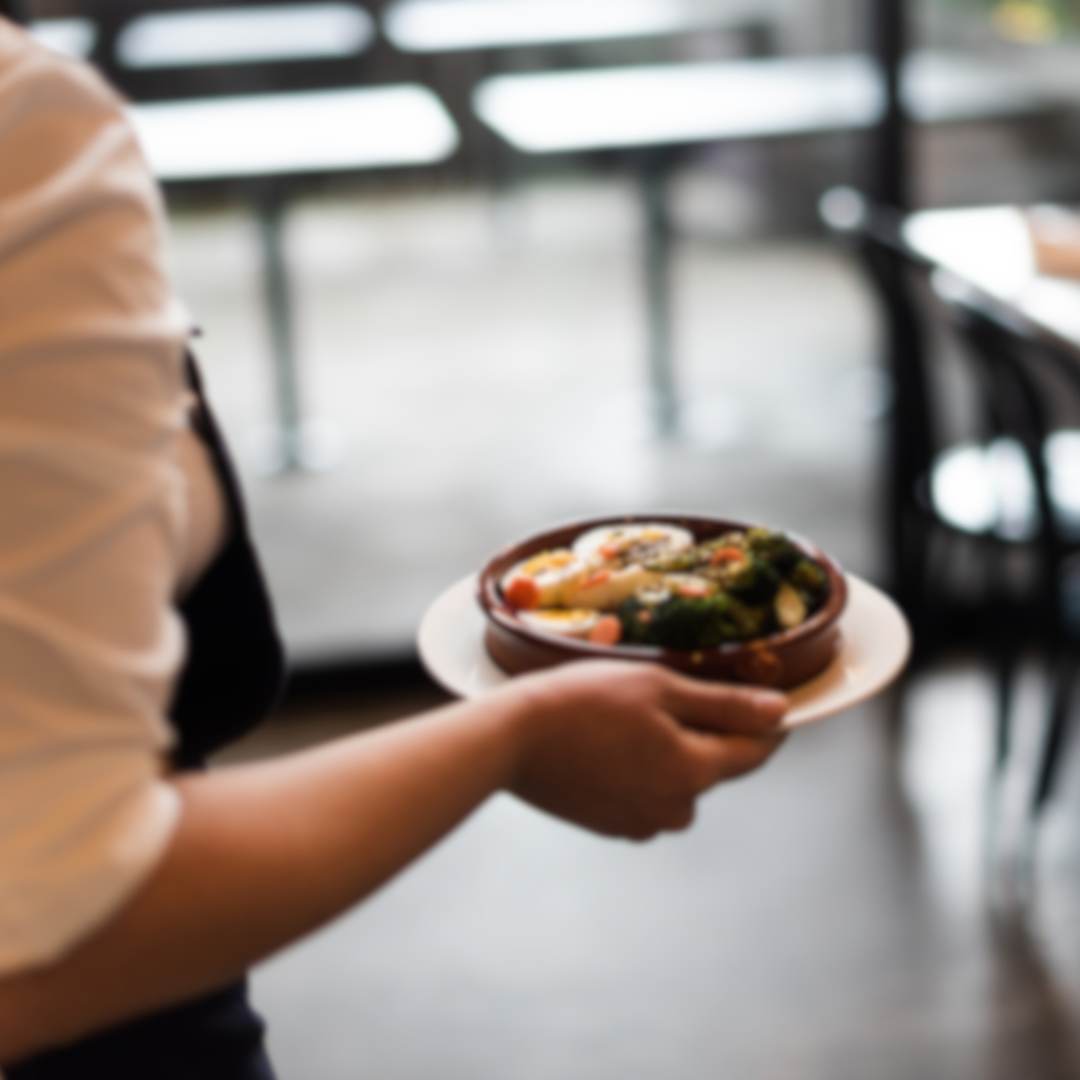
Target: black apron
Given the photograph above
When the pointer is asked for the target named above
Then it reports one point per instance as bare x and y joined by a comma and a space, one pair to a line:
232, 678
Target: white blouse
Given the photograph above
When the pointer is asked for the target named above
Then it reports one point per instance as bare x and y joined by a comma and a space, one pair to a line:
108, 507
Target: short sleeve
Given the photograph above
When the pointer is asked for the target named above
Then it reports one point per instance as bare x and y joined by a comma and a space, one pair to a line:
91, 408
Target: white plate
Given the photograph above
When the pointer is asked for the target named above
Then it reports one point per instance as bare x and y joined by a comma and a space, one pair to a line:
875, 644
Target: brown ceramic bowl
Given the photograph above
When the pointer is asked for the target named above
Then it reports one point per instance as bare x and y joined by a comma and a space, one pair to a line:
781, 660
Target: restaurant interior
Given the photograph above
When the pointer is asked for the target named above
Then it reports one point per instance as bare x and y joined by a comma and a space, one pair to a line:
467, 269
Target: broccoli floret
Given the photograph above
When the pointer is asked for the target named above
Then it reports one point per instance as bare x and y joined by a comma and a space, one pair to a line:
773, 548
755, 581
750, 621
809, 578
682, 622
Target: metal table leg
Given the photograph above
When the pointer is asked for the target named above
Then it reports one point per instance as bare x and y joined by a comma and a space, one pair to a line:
653, 176
709, 421
293, 444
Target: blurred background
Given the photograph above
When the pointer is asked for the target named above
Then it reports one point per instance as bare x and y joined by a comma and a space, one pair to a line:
465, 268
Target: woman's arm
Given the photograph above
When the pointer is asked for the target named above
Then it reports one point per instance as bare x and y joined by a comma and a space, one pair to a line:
265, 853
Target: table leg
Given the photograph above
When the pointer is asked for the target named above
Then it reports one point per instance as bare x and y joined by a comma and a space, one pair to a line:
653, 176
271, 216
293, 444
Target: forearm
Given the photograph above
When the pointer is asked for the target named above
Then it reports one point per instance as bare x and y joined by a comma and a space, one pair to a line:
263, 854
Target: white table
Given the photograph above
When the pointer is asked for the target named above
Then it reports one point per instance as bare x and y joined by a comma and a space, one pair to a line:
242, 35
225, 35
438, 26
295, 133
72, 36
991, 248
657, 108
670, 104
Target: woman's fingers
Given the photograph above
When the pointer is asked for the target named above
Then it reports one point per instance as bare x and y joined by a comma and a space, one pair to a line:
718, 758
625, 749
724, 708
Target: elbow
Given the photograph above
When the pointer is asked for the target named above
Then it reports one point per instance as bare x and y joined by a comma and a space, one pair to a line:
35, 1016
21, 1033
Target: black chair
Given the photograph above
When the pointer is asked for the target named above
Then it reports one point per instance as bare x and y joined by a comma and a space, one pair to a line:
1026, 374
980, 535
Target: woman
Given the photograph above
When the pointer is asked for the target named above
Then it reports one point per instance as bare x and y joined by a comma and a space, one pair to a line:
136, 888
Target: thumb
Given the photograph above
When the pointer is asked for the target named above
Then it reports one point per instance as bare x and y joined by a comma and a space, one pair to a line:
723, 707
717, 758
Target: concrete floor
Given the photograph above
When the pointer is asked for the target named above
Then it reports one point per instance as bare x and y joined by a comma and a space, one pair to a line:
833, 918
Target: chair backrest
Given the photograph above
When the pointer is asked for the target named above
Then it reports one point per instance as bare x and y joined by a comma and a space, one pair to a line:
1024, 375
911, 435
1015, 377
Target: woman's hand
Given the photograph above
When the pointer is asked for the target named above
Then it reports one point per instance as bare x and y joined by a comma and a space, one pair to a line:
625, 748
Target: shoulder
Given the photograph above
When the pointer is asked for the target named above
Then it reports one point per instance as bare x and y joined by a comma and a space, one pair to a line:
80, 213
62, 126
37, 82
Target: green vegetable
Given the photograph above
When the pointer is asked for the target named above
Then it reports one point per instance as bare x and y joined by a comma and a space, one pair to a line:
684, 623
809, 578
680, 622
693, 623
677, 563
754, 581
776, 587
750, 621
773, 548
